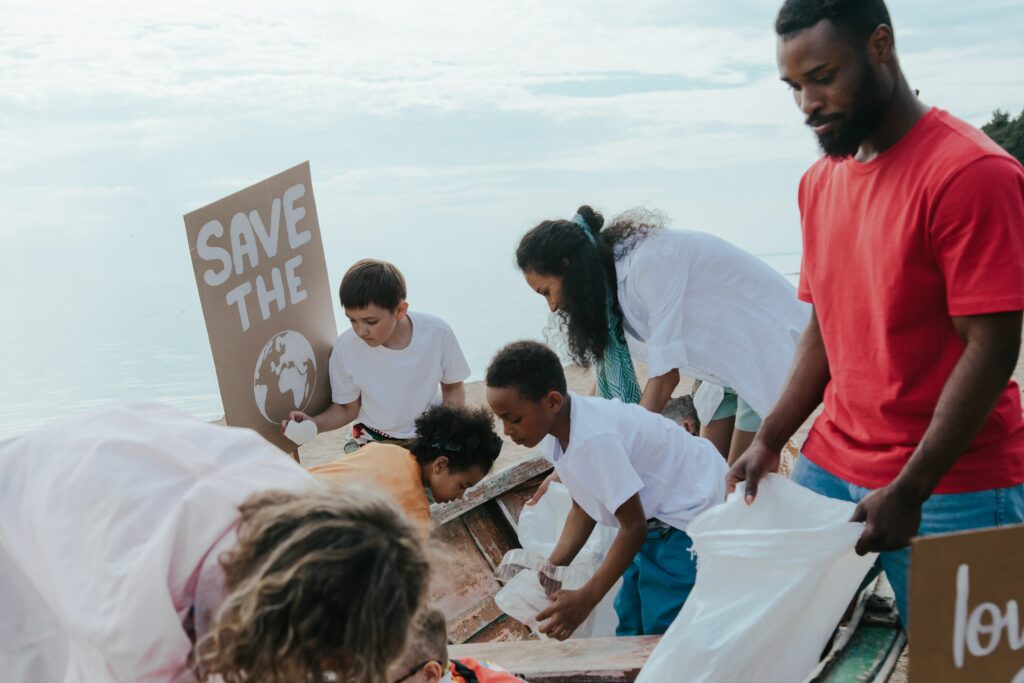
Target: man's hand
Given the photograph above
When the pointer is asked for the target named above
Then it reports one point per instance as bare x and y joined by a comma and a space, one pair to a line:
568, 611
891, 517
543, 488
756, 461
296, 415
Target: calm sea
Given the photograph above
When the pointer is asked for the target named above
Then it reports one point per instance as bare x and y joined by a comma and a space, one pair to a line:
64, 352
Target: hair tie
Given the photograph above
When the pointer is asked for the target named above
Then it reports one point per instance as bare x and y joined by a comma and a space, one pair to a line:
455, 446
582, 222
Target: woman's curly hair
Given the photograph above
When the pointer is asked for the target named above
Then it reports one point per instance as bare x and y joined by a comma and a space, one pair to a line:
465, 436
320, 582
587, 269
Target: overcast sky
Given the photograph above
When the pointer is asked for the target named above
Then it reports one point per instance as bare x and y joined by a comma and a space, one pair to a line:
437, 132
425, 122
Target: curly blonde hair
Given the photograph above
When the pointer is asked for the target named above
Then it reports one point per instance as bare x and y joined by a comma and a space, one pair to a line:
323, 582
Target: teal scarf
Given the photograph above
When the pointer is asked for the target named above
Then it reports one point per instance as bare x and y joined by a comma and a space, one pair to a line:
616, 376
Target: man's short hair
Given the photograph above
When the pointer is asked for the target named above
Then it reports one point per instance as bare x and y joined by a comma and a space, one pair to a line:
372, 282
428, 640
856, 19
529, 367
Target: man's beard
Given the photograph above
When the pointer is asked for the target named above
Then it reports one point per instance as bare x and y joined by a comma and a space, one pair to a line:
869, 107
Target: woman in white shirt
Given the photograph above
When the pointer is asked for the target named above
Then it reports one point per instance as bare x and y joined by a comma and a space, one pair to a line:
140, 544
701, 306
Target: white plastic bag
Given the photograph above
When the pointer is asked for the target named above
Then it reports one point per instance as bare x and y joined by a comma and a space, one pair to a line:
541, 524
524, 596
773, 581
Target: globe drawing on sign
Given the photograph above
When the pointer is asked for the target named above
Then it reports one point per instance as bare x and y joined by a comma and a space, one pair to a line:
285, 375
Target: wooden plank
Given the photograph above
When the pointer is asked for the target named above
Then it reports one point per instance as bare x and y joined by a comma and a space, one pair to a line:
868, 647
491, 487
490, 532
580, 660
476, 619
470, 538
609, 676
512, 503
501, 630
463, 583
870, 655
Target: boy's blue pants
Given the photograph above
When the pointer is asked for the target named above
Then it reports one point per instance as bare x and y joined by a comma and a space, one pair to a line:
656, 584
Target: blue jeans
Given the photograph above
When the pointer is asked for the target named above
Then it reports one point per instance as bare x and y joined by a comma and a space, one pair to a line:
656, 583
942, 513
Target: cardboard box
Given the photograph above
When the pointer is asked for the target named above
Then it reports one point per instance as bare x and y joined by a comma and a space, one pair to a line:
966, 602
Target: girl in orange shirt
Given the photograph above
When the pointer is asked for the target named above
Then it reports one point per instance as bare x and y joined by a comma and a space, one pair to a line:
453, 450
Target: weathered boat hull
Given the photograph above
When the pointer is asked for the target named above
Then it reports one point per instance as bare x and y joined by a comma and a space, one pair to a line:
473, 534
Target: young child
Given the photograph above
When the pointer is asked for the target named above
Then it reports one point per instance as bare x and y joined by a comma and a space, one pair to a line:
138, 543
385, 371
453, 450
425, 659
624, 466
682, 411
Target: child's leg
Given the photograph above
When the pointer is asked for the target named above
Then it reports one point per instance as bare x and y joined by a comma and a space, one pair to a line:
627, 602
747, 424
719, 429
667, 574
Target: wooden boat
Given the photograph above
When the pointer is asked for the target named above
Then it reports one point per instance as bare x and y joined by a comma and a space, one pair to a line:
478, 530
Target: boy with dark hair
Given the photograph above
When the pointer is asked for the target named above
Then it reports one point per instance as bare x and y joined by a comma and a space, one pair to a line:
386, 370
625, 467
425, 658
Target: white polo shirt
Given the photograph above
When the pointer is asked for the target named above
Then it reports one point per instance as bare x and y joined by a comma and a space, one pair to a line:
617, 450
713, 311
396, 386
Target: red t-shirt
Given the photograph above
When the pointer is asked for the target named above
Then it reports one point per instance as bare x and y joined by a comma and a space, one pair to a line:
931, 228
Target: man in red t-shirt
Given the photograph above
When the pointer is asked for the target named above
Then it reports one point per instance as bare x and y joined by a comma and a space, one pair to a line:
913, 226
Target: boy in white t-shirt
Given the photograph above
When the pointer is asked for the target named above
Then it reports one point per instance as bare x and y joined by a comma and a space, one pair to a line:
625, 467
392, 365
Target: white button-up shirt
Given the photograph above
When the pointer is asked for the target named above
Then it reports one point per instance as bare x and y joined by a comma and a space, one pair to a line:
713, 311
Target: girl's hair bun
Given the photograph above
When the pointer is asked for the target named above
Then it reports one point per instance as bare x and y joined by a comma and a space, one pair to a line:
595, 221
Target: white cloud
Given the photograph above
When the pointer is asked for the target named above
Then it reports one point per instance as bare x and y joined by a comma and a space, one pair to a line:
108, 83
367, 55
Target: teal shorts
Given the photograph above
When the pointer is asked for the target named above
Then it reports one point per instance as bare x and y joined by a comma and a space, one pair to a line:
656, 583
746, 419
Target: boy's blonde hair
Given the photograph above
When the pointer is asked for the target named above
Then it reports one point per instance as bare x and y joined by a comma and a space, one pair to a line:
428, 640
320, 582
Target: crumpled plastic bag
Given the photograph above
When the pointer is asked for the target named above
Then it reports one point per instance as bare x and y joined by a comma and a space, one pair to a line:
773, 581
529, 578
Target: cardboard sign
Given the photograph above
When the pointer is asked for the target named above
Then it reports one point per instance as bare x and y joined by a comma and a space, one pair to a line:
967, 607
262, 278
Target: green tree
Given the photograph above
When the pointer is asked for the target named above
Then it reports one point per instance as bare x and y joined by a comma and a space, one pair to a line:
1009, 133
